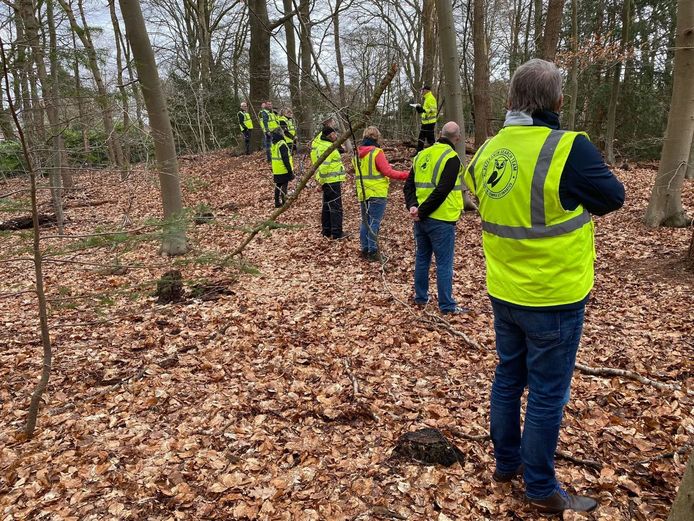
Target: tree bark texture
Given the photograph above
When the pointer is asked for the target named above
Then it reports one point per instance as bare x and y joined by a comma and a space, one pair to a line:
292, 64
552, 28
665, 205
174, 241
429, 43
481, 75
683, 507
259, 63
573, 77
616, 80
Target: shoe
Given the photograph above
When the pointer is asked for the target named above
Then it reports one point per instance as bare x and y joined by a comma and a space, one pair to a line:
505, 477
364, 254
421, 304
458, 310
562, 500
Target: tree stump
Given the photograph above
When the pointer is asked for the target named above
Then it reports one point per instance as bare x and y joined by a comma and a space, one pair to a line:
428, 446
170, 287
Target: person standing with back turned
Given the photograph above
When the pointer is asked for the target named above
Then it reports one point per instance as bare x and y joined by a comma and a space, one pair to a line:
429, 113
246, 125
434, 197
537, 186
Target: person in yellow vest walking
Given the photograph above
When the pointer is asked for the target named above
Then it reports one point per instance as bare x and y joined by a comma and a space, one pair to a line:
428, 111
372, 173
330, 176
537, 187
246, 125
434, 197
282, 166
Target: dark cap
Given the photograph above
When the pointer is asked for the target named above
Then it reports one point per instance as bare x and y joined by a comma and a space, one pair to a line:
327, 131
426, 87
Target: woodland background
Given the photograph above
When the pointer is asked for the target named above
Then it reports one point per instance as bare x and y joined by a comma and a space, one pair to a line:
277, 381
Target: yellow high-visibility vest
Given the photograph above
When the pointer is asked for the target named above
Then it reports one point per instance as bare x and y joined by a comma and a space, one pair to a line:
428, 165
537, 253
278, 166
430, 114
367, 176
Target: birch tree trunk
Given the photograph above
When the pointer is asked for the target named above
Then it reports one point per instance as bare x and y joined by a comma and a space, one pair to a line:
616, 80
481, 74
665, 205
174, 240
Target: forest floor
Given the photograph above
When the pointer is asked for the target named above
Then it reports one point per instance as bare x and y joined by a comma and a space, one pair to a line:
282, 395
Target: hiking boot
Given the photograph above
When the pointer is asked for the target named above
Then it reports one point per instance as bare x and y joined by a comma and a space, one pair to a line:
562, 500
375, 256
505, 477
458, 310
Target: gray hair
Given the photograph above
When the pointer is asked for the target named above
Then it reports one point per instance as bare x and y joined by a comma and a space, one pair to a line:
450, 130
536, 85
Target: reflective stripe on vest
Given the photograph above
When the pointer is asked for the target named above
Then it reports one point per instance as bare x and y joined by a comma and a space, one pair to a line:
430, 114
537, 253
331, 170
272, 120
368, 177
426, 179
278, 166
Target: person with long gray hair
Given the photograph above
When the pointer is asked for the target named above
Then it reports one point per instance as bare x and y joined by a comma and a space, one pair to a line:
537, 187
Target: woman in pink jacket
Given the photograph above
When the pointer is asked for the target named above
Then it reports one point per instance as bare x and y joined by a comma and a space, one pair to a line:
373, 174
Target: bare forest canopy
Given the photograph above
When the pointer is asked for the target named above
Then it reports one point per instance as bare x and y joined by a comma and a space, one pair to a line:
201, 355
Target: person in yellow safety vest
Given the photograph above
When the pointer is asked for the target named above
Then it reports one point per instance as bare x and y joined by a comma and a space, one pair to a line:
263, 119
286, 121
537, 187
372, 173
434, 197
330, 176
282, 166
246, 125
428, 111
329, 122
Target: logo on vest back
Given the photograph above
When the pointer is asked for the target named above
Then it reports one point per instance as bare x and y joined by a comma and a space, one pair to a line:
499, 173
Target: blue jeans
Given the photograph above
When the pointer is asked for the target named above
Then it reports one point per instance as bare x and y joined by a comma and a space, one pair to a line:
372, 211
437, 237
536, 349
267, 144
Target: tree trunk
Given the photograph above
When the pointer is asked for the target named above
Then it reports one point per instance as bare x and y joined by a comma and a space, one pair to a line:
690, 164
259, 63
616, 80
573, 79
307, 89
121, 87
174, 241
292, 64
452, 91
665, 206
429, 44
338, 56
481, 87
102, 98
552, 28
80, 103
683, 506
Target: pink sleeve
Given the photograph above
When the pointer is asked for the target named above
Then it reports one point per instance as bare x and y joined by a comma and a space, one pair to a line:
384, 167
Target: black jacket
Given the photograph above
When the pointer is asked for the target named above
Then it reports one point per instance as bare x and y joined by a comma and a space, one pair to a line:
447, 180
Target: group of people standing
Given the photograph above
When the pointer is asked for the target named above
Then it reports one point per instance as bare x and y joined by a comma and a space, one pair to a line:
537, 187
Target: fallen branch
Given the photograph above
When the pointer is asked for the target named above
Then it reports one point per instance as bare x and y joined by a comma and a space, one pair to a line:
682, 450
358, 125
353, 379
632, 375
481, 438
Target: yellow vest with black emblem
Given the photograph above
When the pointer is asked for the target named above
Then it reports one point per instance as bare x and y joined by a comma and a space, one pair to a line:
428, 165
430, 114
537, 253
278, 166
369, 180
246, 120
331, 170
261, 119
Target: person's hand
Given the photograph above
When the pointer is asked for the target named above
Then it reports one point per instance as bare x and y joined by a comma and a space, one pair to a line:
414, 213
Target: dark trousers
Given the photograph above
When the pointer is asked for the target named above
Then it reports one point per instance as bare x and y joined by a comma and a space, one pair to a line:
331, 214
426, 133
267, 143
247, 140
280, 193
